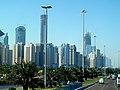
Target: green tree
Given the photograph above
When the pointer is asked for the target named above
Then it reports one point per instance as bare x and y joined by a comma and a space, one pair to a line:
24, 73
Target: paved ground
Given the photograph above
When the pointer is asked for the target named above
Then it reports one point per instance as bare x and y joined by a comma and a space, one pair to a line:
108, 85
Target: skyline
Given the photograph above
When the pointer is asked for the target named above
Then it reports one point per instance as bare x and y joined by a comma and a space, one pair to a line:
65, 19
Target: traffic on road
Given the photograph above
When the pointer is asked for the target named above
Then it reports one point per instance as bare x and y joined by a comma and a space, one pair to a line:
108, 83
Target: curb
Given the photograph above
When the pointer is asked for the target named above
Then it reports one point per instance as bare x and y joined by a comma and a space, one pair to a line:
82, 88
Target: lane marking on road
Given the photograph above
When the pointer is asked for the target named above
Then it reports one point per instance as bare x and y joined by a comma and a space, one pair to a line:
115, 85
91, 86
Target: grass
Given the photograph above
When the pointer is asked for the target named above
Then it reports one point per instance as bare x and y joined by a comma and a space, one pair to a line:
37, 89
89, 81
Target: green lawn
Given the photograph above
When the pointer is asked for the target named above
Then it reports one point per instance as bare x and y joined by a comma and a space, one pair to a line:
37, 89
89, 81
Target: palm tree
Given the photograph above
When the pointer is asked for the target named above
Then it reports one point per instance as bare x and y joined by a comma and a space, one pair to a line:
24, 73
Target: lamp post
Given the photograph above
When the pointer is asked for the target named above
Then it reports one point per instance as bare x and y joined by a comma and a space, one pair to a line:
104, 60
118, 58
95, 61
46, 13
83, 12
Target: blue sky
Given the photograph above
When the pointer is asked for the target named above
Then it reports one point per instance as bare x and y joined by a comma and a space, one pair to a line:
65, 22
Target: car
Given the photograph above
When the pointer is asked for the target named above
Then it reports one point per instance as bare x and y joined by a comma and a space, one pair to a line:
108, 77
113, 77
101, 81
118, 80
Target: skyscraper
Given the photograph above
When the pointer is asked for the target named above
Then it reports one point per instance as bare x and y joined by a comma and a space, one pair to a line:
87, 41
6, 39
43, 29
64, 54
18, 53
72, 55
20, 35
4, 54
37, 54
50, 55
79, 59
29, 52
42, 38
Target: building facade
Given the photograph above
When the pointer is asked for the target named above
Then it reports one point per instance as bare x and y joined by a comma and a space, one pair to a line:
43, 29
18, 53
20, 35
29, 53
87, 42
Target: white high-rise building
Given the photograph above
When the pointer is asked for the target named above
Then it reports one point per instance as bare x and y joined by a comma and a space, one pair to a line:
92, 59
4, 54
18, 53
72, 55
64, 54
29, 52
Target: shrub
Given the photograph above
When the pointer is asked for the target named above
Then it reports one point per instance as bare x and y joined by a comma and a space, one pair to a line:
12, 88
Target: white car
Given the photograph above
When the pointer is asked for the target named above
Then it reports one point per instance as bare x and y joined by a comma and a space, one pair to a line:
118, 80
113, 77
101, 81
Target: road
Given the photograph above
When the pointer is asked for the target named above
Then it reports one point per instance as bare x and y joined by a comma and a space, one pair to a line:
108, 85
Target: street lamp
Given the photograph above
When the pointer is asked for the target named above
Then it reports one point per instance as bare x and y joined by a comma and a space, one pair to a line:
118, 58
46, 8
83, 12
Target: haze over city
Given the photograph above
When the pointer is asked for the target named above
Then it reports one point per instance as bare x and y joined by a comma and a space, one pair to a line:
65, 22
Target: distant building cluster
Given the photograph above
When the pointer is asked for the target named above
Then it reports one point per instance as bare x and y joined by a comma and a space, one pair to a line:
63, 55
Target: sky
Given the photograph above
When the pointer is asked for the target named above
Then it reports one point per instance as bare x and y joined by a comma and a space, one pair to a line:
65, 22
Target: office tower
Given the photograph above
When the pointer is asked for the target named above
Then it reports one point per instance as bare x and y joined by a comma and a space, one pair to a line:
98, 60
4, 54
72, 55
20, 35
79, 59
87, 41
29, 53
18, 53
108, 63
102, 61
56, 57
64, 54
92, 59
50, 55
42, 55
6, 39
43, 29
37, 54
10, 57
42, 39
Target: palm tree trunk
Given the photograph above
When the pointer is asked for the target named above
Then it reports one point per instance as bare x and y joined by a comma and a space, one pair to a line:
25, 87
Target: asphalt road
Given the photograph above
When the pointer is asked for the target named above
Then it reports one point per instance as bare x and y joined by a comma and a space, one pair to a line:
108, 85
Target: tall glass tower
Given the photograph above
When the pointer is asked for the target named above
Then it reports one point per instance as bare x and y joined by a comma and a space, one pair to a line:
87, 42
43, 29
6, 39
20, 35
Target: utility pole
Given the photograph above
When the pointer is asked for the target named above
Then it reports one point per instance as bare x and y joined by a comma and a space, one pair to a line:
83, 18
46, 13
